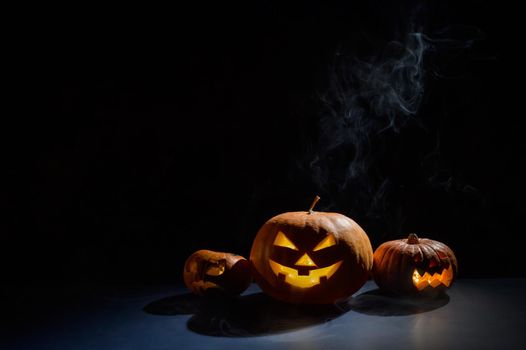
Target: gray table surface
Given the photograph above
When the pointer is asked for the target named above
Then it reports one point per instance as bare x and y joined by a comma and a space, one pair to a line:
476, 314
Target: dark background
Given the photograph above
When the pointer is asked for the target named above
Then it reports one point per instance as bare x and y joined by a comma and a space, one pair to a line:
138, 136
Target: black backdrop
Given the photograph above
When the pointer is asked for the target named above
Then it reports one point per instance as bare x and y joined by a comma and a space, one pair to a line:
140, 135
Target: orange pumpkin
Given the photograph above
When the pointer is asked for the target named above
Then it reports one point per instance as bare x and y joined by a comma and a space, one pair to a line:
311, 257
414, 266
206, 271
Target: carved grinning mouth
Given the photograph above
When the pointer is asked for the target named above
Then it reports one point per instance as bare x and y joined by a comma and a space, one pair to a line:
314, 277
434, 280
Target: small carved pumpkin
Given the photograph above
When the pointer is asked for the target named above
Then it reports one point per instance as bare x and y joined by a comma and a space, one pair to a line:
311, 257
414, 266
206, 271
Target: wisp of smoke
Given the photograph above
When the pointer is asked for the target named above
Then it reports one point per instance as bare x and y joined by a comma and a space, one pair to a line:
370, 99
365, 98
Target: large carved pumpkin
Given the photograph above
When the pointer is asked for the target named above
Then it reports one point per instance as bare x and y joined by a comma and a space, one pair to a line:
206, 271
414, 266
311, 257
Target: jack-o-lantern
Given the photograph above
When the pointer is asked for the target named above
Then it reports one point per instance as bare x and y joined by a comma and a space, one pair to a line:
414, 266
206, 271
311, 257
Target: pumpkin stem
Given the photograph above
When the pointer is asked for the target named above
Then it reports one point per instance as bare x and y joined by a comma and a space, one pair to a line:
316, 199
412, 239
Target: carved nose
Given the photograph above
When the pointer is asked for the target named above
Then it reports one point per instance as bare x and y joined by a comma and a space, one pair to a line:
305, 260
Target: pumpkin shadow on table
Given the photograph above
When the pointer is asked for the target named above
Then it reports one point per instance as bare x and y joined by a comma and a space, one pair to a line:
245, 316
375, 302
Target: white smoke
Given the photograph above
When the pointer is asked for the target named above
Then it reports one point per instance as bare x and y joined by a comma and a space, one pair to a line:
366, 98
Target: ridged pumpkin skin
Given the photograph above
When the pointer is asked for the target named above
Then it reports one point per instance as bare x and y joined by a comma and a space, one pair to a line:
206, 271
348, 256
395, 263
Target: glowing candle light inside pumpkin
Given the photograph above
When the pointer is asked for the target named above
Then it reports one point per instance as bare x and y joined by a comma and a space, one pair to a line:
422, 281
207, 271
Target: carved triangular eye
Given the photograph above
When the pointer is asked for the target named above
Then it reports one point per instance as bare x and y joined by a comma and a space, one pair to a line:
282, 241
325, 243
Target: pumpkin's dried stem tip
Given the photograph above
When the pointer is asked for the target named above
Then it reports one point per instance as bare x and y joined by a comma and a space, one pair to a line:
412, 238
316, 199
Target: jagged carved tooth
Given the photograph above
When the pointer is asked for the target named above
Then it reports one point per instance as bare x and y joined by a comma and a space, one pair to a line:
422, 284
434, 282
443, 276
